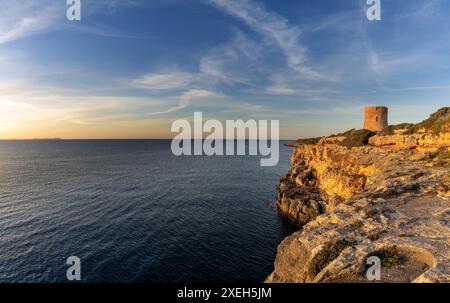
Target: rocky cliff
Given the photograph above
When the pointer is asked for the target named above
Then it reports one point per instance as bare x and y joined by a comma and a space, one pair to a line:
387, 197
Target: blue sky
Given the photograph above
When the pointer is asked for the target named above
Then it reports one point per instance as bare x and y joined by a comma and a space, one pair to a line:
129, 68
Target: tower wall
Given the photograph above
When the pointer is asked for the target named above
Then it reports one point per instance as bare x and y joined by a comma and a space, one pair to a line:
376, 118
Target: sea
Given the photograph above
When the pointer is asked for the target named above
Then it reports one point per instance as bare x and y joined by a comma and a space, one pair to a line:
132, 212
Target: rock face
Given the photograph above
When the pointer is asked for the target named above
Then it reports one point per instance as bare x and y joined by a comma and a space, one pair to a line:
421, 142
353, 203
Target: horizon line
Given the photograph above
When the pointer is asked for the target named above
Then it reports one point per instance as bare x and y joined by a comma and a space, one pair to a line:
110, 139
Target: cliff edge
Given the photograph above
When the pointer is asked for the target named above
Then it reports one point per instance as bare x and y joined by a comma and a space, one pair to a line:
362, 194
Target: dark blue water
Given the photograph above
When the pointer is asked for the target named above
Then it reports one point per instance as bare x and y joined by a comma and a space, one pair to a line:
132, 212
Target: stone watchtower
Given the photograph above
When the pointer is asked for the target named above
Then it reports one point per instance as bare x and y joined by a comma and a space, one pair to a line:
376, 118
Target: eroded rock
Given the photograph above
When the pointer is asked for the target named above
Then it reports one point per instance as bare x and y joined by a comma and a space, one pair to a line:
353, 203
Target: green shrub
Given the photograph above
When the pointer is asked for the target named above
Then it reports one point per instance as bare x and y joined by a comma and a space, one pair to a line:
331, 251
390, 130
356, 138
389, 256
436, 123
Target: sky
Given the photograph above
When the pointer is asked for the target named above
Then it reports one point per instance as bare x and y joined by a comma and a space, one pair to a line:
130, 68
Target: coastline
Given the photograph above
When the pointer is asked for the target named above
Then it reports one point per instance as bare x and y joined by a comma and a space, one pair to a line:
388, 198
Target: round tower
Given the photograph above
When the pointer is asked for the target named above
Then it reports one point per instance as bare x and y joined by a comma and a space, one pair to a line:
376, 118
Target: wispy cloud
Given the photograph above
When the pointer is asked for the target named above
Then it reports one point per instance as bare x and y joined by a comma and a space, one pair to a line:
420, 88
97, 30
19, 19
281, 90
425, 9
164, 81
340, 21
28, 103
235, 62
274, 28
185, 99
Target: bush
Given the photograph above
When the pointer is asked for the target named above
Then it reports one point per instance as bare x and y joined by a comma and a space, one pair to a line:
389, 256
390, 130
436, 123
331, 251
356, 138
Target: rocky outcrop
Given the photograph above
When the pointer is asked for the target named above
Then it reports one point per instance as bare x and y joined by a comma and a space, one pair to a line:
424, 142
353, 203
318, 181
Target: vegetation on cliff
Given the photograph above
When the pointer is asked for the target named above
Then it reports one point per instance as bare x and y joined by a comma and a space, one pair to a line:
356, 138
353, 138
438, 122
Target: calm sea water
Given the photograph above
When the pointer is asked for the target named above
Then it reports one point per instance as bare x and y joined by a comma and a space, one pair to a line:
132, 212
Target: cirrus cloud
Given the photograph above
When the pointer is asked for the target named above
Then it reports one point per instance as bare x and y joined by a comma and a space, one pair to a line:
164, 81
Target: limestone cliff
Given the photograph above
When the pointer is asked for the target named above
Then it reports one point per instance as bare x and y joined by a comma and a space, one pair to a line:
385, 199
